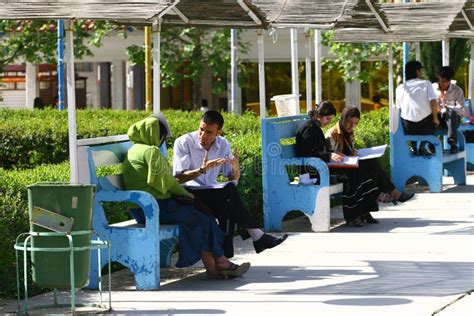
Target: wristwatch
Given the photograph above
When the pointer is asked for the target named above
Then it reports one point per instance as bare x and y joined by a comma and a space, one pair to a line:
202, 170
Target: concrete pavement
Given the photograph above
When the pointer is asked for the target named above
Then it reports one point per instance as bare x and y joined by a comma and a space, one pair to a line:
418, 261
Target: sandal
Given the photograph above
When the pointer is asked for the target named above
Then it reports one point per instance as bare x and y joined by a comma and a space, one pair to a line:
235, 270
218, 276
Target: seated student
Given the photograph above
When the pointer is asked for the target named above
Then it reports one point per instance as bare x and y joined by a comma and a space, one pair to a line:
341, 138
419, 109
198, 159
377, 105
360, 192
451, 104
146, 169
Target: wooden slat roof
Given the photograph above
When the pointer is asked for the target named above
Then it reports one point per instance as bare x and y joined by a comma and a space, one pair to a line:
323, 14
82, 9
431, 21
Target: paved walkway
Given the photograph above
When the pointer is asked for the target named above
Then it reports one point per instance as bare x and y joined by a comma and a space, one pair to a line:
418, 261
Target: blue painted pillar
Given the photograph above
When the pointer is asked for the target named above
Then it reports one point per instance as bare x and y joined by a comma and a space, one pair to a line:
60, 65
406, 51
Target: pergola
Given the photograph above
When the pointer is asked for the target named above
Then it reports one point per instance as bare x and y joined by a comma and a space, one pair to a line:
363, 20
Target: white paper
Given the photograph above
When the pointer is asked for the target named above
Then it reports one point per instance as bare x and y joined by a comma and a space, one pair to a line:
348, 161
372, 152
217, 185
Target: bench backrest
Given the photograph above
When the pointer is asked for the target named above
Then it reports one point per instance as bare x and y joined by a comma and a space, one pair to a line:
278, 136
104, 157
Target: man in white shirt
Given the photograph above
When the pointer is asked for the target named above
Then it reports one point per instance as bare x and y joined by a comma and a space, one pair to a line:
198, 159
450, 104
419, 109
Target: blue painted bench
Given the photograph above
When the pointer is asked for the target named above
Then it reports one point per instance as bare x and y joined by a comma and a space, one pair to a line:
142, 248
405, 165
469, 127
282, 195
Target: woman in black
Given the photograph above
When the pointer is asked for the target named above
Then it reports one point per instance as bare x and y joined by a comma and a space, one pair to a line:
360, 191
341, 138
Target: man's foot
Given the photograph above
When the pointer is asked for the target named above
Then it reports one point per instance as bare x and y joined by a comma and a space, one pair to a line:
454, 149
405, 196
268, 241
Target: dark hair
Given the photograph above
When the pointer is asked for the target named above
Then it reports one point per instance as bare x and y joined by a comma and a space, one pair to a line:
213, 117
410, 69
325, 108
349, 112
446, 72
38, 103
163, 133
376, 98
204, 103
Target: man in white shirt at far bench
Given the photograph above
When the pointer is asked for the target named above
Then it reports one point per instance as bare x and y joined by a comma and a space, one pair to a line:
198, 159
419, 108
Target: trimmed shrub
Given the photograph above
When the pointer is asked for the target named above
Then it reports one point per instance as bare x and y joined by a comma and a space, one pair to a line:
14, 214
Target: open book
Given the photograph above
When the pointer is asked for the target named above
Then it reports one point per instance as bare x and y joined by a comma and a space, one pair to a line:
372, 152
217, 185
347, 162
364, 153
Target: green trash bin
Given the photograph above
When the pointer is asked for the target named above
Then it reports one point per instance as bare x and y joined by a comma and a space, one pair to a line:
52, 269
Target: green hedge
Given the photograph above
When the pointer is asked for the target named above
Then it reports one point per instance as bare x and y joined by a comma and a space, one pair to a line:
14, 214
29, 138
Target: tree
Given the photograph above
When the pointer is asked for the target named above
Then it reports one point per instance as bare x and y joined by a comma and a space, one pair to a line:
431, 56
36, 41
185, 52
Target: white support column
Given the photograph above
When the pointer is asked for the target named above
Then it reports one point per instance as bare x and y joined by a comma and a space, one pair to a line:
445, 51
96, 96
352, 91
294, 67
129, 86
309, 77
235, 104
118, 84
156, 67
32, 86
393, 115
318, 94
418, 51
261, 74
71, 102
471, 73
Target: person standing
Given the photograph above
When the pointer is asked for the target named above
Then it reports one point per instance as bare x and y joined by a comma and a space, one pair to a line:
451, 104
419, 109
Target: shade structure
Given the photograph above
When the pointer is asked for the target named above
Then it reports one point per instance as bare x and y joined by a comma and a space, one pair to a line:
417, 22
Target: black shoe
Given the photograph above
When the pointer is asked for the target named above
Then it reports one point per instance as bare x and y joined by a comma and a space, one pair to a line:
268, 241
454, 149
405, 196
369, 219
428, 151
355, 223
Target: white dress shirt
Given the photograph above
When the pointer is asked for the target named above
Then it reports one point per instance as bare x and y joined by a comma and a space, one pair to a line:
188, 154
413, 98
454, 98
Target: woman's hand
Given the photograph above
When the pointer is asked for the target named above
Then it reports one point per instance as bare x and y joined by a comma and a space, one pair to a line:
337, 157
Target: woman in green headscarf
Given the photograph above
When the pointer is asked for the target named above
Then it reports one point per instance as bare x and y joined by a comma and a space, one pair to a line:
146, 169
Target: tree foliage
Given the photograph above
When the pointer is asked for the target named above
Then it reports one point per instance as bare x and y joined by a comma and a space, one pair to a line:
346, 57
36, 41
431, 56
185, 52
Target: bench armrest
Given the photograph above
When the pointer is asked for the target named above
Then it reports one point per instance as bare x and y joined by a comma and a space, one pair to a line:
143, 199
419, 138
316, 163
